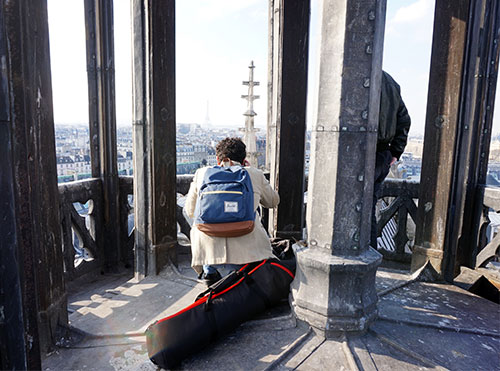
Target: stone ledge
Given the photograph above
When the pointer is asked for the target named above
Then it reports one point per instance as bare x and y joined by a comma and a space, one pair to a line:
365, 261
335, 293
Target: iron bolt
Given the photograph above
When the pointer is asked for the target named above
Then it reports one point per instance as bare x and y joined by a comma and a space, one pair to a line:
356, 237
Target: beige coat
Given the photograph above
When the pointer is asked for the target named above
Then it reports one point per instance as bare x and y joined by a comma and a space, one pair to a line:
232, 250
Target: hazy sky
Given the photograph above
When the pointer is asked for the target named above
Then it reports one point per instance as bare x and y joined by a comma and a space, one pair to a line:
216, 40
407, 53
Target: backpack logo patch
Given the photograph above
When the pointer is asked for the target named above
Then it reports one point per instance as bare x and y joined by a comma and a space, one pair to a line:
230, 207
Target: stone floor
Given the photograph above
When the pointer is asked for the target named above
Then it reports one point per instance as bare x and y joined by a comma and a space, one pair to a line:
420, 326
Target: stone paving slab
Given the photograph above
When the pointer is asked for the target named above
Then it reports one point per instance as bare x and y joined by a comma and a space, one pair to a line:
97, 355
416, 330
249, 347
450, 350
301, 353
371, 353
390, 278
130, 306
441, 305
330, 355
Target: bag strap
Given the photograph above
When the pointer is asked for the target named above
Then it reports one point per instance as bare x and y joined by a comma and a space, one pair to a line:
212, 322
221, 285
257, 290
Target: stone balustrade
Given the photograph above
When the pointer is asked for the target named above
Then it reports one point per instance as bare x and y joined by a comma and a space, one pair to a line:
81, 212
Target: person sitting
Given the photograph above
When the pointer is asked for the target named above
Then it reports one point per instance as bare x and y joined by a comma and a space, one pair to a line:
210, 252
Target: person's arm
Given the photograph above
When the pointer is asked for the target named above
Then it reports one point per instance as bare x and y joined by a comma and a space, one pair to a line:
192, 195
269, 197
398, 144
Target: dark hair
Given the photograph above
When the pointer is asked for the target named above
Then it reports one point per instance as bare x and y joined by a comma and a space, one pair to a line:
232, 148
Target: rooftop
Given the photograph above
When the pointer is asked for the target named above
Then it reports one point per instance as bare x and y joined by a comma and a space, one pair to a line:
421, 325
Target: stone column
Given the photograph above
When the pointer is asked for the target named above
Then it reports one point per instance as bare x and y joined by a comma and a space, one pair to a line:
477, 100
154, 134
102, 125
17, 260
270, 72
32, 289
485, 92
287, 126
334, 288
443, 109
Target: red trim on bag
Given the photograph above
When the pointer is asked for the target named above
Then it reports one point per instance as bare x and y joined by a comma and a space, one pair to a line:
204, 299
195, 304
257, 267
241, 269
229, 288
284, 268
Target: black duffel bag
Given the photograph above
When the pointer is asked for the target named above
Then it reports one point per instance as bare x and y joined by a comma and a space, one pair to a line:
220, 309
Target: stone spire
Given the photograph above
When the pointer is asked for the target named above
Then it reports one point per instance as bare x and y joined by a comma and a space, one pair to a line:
249, 130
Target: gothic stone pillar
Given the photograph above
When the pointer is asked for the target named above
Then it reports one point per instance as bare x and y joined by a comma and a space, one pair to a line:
102, 123
445, 83
32, 288
287, 125
155, 201
334, 289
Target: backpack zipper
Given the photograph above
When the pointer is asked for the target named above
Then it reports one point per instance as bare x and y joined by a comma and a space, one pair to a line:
216, 192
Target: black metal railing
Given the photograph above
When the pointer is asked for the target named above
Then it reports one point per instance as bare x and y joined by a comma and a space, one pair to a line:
81, 202
399, 199
81, 221
403, 197
81, 214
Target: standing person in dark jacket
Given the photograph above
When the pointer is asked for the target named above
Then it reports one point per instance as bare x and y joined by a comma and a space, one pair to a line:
393, 126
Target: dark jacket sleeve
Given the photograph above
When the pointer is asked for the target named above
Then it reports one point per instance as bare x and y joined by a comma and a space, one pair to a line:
400, 139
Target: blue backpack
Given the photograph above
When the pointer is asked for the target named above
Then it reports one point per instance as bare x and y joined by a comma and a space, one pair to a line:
224, 207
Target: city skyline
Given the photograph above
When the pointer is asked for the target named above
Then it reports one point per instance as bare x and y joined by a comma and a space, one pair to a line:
211, 62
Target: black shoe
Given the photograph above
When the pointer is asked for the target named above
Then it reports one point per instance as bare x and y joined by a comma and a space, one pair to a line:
211, 278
